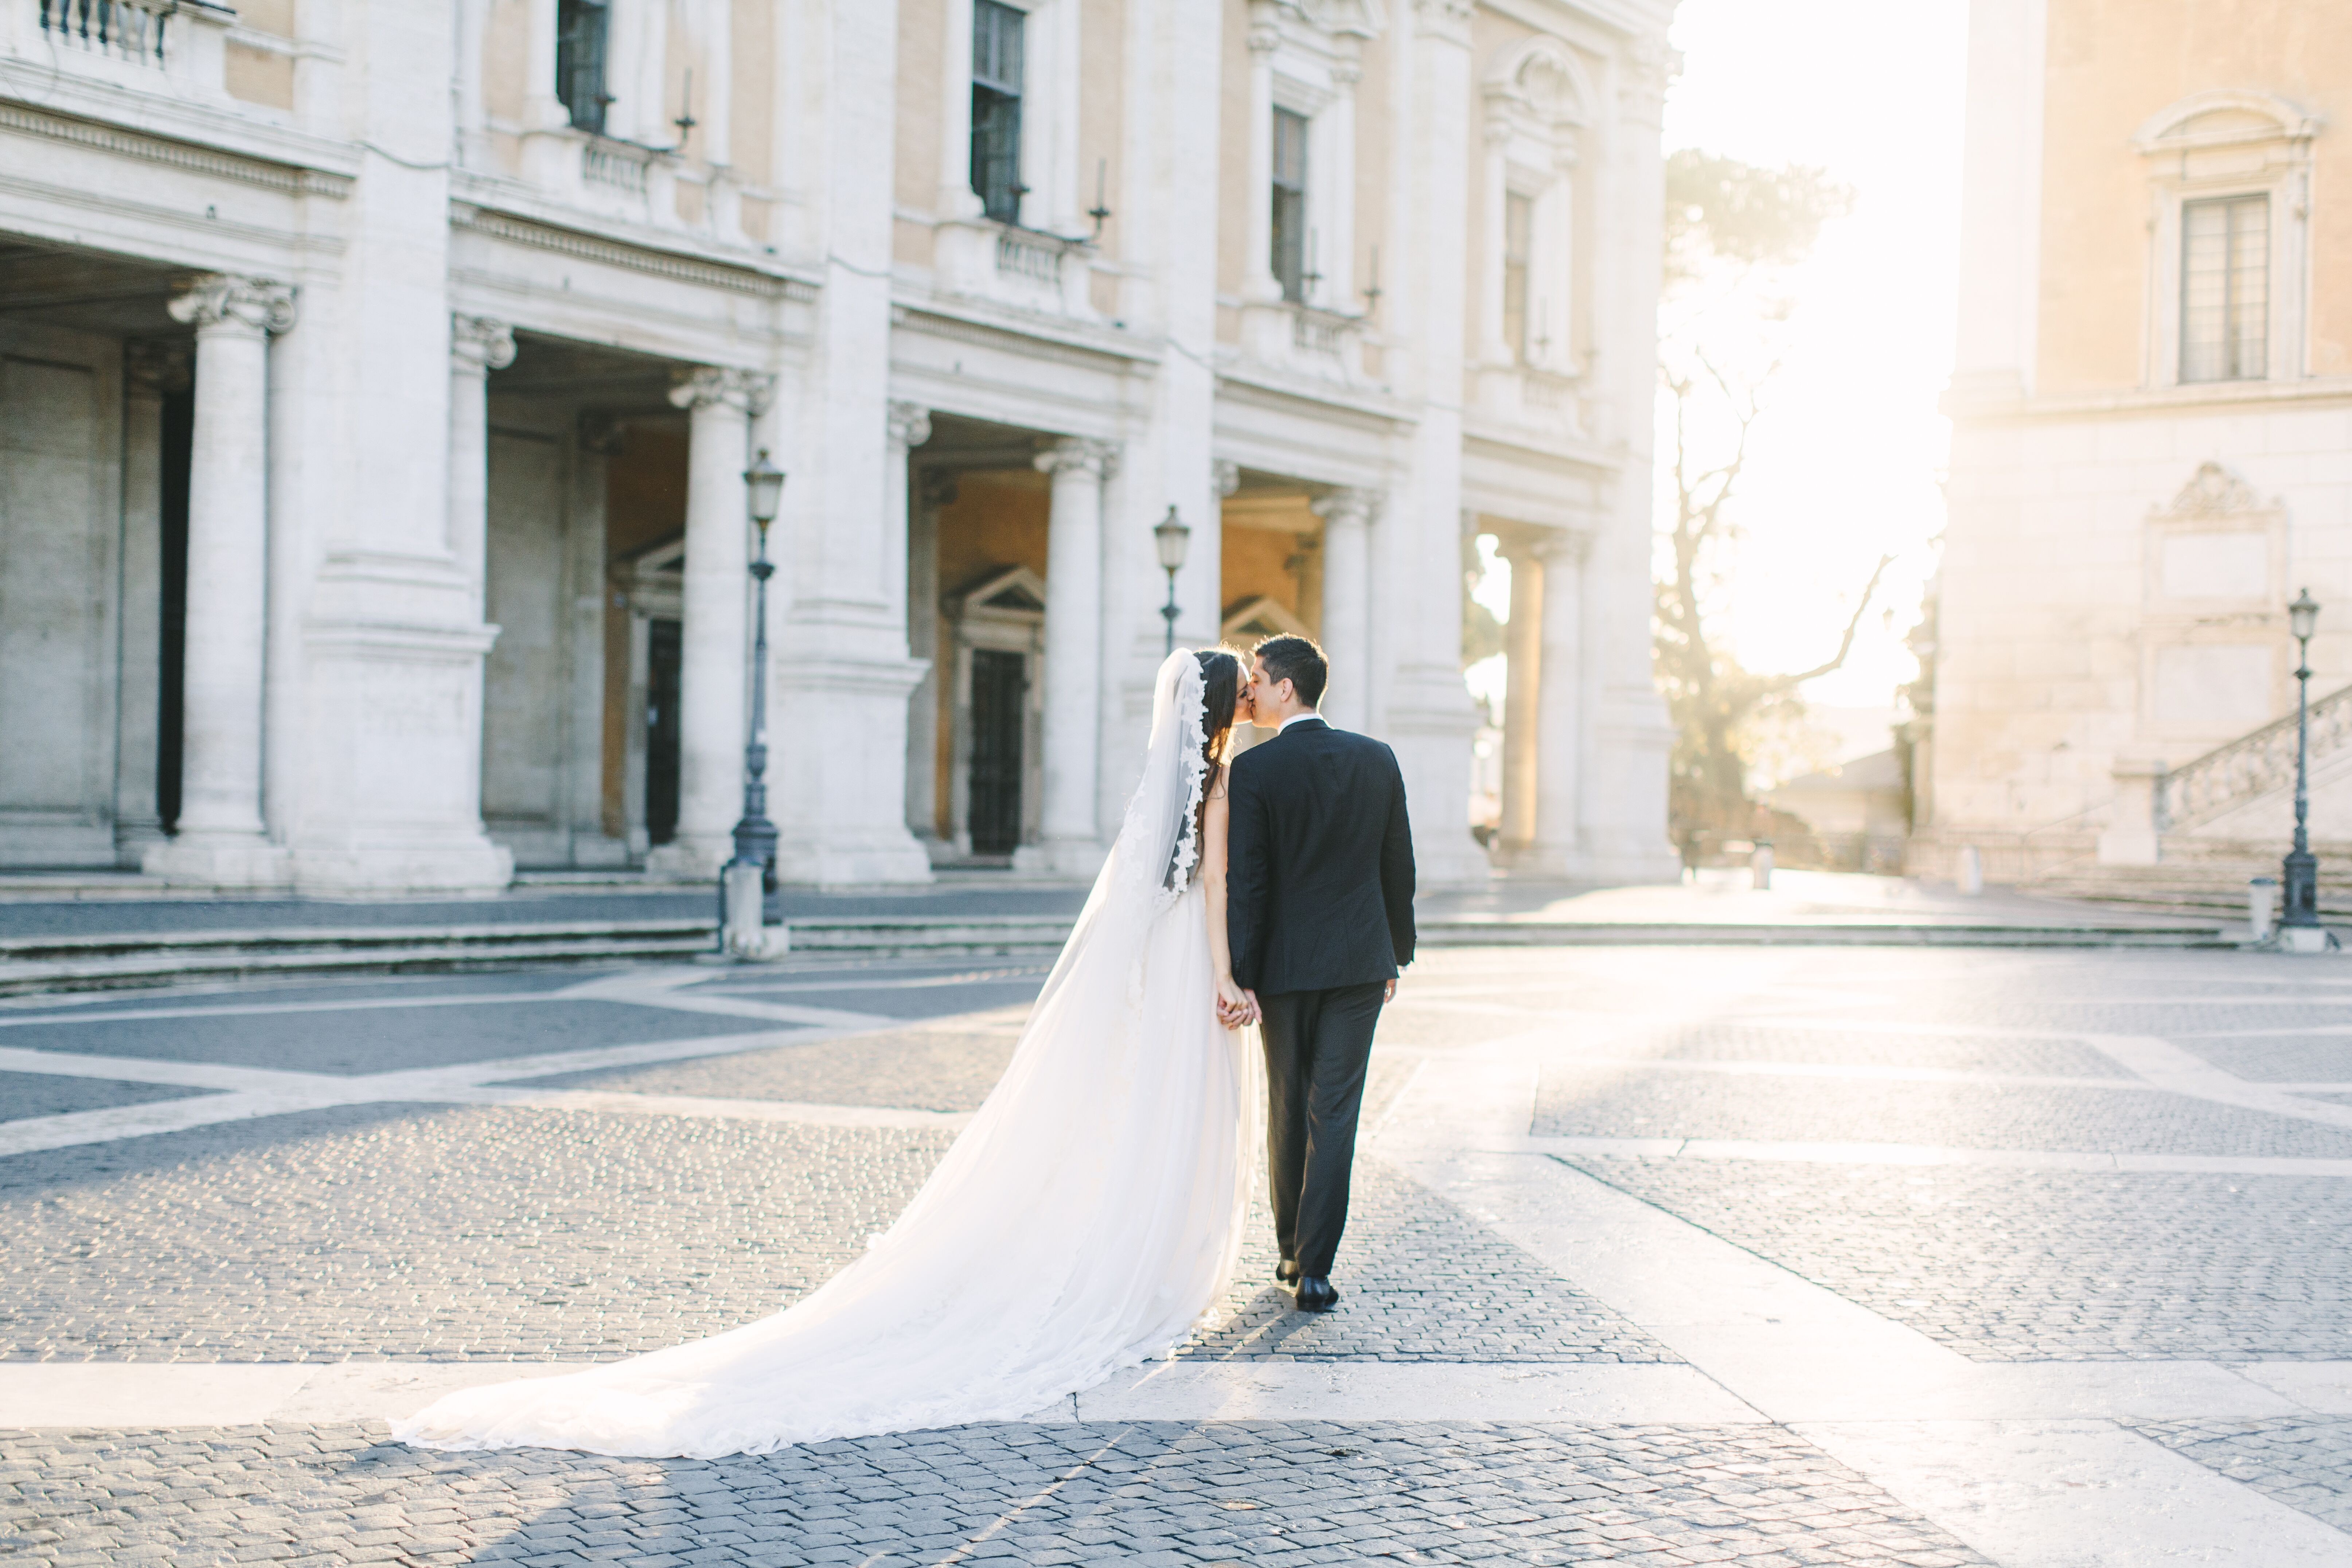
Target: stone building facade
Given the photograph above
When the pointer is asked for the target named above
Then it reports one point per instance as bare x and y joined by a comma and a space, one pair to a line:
2152, 445
377, 378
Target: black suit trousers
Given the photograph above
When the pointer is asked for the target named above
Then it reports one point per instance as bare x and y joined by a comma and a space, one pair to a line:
1317, 1046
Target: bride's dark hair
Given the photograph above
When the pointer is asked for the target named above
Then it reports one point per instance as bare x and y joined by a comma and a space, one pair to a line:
1221, 692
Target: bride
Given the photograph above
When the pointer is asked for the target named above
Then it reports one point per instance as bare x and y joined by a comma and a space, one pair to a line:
1086, 1219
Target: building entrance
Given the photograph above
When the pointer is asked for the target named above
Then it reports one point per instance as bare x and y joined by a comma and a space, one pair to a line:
663, 663
999, 682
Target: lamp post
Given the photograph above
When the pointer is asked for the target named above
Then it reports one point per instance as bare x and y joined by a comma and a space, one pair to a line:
2301, 869
744, 883
1173, 537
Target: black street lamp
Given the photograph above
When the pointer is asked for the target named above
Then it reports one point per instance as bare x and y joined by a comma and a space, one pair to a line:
2302, 879
755, 836
1172, 536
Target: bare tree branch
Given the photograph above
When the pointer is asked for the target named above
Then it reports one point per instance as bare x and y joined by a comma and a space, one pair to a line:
1845, 643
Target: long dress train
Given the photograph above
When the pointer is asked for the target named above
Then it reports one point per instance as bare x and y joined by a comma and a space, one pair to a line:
1087, 1219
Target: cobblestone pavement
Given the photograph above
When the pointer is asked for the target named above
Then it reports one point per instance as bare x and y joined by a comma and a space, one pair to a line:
933, 1067
1423, 1283
1146, 1493
423, 1225
432, 1233
2034, 1266
2306, 1461
1668, 1104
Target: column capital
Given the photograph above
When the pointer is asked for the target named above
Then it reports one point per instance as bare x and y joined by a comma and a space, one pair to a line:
1349, 506
1446, 19
710, 386
909, 424
1264, 34
480, 343
937, 487
158, 366
1550, 545
219, 299
1077, 454
1227, 477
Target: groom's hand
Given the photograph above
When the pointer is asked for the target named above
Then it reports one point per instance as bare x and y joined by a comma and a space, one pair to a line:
1388, 995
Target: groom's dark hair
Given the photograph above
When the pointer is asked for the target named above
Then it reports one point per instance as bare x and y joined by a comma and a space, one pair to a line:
1297, 660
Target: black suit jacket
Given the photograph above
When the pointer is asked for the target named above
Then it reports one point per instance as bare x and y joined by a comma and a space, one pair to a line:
1318, 865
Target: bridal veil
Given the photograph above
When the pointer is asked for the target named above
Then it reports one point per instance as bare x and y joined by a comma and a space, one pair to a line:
1085, 1221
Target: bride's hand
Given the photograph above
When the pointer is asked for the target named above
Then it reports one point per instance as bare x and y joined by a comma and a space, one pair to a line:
1234, 1009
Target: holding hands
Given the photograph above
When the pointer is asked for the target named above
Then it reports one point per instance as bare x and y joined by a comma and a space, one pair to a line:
1236, 1008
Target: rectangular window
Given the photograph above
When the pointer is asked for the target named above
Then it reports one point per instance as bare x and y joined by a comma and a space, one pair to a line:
996, 109
2225, 270
580, 34
1290, 260
1519, 242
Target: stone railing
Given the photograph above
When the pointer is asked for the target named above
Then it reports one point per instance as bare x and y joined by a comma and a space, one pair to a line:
2249, 768
1037, 257
616, 167
129, 30
175, 46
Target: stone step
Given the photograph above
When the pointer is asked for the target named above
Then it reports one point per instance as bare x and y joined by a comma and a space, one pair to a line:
147, 958
48, 965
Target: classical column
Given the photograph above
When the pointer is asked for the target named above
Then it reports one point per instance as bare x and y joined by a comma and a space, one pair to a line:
152, 368
910, 567
1557, 846
1523, 651
542, 109
220, 839
938, 488
1493, 349
478, 345
957, 198
716, 634
1347, 517
1071, 841
1259, 285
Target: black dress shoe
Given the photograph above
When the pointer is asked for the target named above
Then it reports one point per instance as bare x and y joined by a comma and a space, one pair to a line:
1286, 1271
1316, 1295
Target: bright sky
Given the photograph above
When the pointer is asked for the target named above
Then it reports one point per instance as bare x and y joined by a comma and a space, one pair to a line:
1846, 461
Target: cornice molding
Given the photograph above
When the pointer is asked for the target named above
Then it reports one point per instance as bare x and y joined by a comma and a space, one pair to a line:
582, 246
289, 179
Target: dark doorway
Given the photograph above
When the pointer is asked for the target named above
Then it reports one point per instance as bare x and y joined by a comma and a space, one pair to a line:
663, 661
999, 681
178, 444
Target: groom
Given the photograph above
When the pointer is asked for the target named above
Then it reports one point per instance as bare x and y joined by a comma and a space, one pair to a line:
1319, 912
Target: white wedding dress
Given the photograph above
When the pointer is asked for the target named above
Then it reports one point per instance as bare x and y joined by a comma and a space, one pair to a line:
1086, 1220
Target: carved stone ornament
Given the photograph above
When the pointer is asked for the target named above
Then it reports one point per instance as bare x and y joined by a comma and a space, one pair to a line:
1075, 454
705, 384
909, 424
1362, 18
1345, 506
1448, 19
1652, 64
2212, 491
158, 366
483, 343
219, 299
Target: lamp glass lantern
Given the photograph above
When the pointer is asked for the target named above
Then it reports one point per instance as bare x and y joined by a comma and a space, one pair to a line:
1171, 537
2302, 616
765, 483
